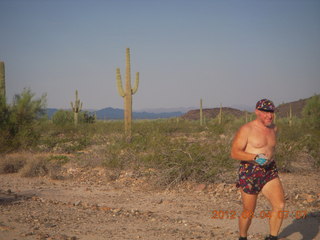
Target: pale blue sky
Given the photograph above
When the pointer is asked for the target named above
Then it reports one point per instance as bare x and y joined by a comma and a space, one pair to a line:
231, 52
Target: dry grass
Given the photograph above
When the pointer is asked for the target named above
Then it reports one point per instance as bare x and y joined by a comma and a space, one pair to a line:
177, 151
32, 165
35, 166
13, 163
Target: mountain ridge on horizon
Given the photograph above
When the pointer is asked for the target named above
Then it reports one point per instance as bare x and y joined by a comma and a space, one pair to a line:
110, 113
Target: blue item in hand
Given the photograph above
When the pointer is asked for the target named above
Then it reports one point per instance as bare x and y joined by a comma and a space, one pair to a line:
260, 159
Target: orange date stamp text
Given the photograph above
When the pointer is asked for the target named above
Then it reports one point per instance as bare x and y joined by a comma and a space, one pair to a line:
263, 214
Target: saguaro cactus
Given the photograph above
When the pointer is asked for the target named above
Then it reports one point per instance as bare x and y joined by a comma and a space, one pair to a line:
76, 108
220, 114
201, 113
2, 82
127, 94
290, 116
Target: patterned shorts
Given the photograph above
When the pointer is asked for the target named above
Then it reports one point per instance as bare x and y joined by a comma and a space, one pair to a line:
253, 177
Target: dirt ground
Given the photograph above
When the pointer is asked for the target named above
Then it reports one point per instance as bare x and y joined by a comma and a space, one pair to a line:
94, 204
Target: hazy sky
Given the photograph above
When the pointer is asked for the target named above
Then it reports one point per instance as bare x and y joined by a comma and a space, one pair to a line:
229, 52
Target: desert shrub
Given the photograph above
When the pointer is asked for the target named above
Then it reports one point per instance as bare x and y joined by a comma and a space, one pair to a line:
12, 163
63, 138
165, 126
41, 165
30, 165
311, 144
287, 147
294, 140
89, 117
34, 167
104, 128
199, 153
69, 138
54, 166
66, 117
189, 157
311, 112
58, 159
20, 120
4, 123
4, 112
62, 117
191, 161
26, 109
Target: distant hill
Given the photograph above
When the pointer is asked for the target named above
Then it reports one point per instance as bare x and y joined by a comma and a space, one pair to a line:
296, 106
166, 110
146, 115
282, 110
109, 113
51, 111
116, 113
211, 113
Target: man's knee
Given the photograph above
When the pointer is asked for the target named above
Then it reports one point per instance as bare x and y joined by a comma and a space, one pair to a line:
279, 205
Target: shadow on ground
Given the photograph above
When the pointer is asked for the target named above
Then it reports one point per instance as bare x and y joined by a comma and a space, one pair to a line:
8, 197
308, 227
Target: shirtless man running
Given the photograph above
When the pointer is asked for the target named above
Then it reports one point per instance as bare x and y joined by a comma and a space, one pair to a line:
254, 146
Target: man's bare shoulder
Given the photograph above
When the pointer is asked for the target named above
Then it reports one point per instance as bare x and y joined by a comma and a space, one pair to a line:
244, 131
247, 127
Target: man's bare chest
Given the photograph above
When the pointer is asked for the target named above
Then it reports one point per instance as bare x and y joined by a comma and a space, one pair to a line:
262, 139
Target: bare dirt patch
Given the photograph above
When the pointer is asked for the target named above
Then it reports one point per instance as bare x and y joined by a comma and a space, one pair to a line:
99, 204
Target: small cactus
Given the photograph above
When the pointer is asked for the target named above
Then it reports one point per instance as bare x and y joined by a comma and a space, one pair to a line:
127, 93
201, 114
76, 108
220, 114
2, 81
290, 116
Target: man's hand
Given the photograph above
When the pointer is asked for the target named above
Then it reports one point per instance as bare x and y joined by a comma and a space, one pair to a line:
261, 159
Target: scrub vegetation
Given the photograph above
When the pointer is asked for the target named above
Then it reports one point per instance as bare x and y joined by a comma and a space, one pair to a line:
170, 150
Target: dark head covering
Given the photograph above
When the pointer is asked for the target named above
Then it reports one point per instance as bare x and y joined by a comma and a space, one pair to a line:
265, 105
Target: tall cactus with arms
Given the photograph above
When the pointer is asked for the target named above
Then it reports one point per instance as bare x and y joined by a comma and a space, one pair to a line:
127, 94
2, 82
76, 108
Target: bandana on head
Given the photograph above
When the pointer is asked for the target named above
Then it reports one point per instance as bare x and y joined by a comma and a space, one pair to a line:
265, 105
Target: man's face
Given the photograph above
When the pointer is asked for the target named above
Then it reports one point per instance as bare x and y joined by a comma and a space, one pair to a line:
266, 118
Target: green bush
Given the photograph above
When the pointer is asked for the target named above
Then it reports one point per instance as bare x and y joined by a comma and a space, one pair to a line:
295, 140
186, 151
311, 112
178, 152
19, 121
89, 117
62, 117
4, 125
4, 113
65, 117
63, 138
174, 149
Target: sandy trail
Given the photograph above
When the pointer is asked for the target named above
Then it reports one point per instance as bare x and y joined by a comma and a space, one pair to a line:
91, 207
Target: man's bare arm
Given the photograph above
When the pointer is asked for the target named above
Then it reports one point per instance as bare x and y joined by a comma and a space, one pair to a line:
239, 145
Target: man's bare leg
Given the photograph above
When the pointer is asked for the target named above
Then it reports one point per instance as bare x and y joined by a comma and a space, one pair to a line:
248, 206
273, 191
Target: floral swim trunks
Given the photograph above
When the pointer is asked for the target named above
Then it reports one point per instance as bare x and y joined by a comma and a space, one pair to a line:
253, 177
